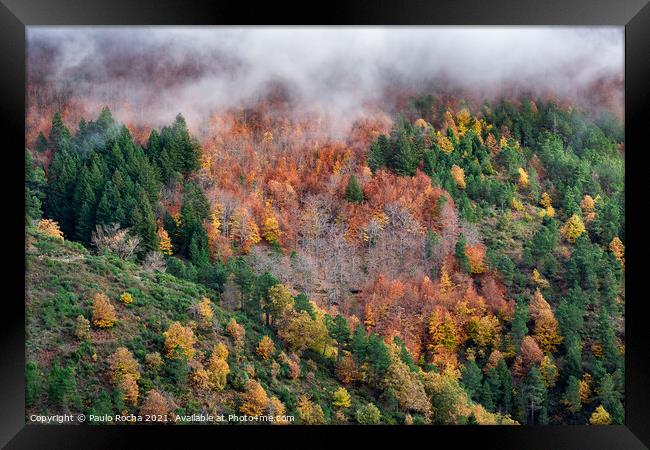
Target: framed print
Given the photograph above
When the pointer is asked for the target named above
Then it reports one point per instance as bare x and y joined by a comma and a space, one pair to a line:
409, 220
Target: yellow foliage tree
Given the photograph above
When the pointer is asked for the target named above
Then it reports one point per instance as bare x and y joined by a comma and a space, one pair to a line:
573, 228
179, 341
164, 242
545, 200
300, 331
205, 313
265, 348
129, 387
444, 143
218, 368
458, 175
50, 228
271, 230
539, 280
199, 376
462, 120
341, 398
517, 205
484, 330
126, 298
254, 400
523, 181
442, 331
103, 312
600, 417
220, 351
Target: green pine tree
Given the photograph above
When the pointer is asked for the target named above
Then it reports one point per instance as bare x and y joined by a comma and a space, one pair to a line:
353, 191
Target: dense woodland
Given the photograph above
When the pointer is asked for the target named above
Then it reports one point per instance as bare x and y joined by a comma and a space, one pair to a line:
450, 264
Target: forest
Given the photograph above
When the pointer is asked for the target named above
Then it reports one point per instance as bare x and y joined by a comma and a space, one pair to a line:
446, 262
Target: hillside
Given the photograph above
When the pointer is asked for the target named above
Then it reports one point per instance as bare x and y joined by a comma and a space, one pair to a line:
447, 263
71, 372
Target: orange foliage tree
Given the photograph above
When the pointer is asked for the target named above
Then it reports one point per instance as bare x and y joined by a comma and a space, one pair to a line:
103, 311
254, 401
124, 373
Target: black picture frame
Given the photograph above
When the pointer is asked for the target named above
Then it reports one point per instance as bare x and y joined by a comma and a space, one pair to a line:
15, 15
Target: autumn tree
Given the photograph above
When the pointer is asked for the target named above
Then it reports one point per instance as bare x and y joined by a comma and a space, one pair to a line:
124, 373
270, 226
600, 417
341, 398
310, 413
154, 405
548, 371
346, 369
164, 242
573, 228
618, 250
299, 331
218, 368
103, 311
442, 331
523, 181
546, 331
265, 348
153, 361
179, 341
254, 401
126, 298
588, 205
529, 355
236, 332
458, 175
475, 257
205, 313
50, 228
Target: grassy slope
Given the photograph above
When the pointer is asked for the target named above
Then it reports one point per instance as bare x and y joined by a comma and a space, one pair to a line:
61, 280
